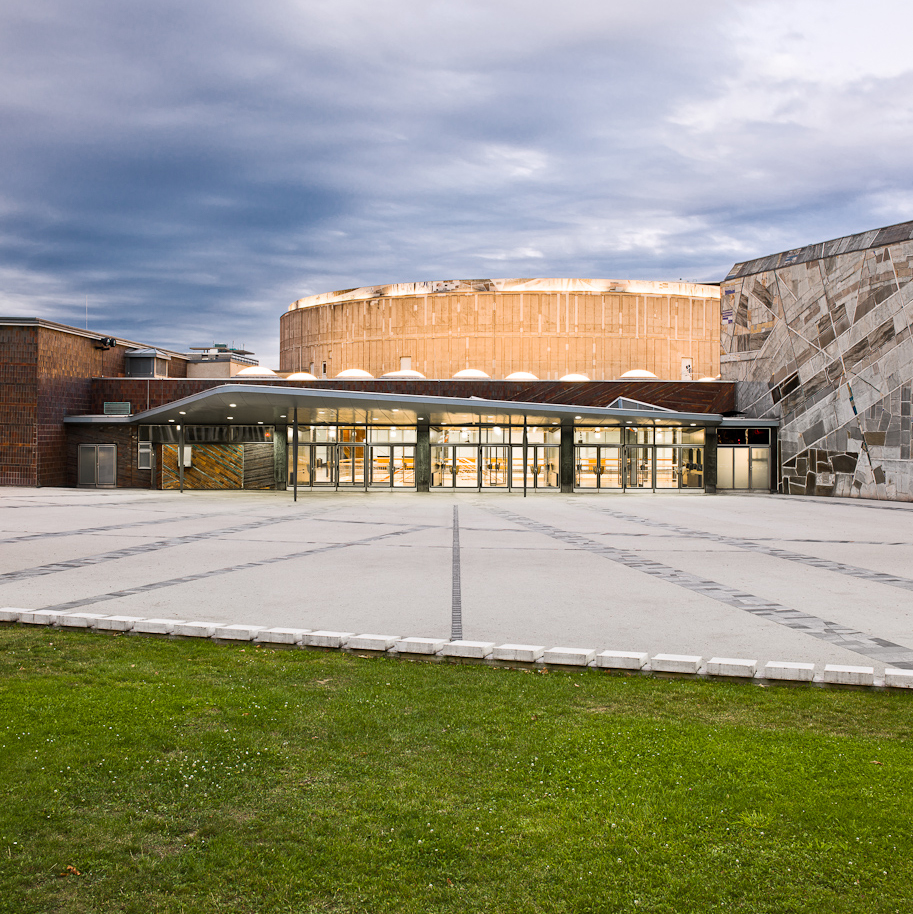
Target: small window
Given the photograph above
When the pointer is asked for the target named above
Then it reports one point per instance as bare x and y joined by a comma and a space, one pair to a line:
144, 456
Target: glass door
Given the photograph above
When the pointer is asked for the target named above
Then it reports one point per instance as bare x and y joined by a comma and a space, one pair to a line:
350, 464
495, 463
323, 465
638, 468
610, 476
381, 466
466, 467
442, 468
587, 467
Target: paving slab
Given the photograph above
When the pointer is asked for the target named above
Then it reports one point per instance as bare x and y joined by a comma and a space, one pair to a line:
791, 580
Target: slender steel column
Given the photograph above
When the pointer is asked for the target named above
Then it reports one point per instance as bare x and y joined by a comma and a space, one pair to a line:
525, 451
295, 455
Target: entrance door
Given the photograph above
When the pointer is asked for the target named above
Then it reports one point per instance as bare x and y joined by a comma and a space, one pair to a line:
638, 468
587, 467
495, 464
743, 468
97, 465
350, 464
466, 467
610, 468
323, 472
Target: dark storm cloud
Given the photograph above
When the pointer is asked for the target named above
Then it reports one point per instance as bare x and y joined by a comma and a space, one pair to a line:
193, 168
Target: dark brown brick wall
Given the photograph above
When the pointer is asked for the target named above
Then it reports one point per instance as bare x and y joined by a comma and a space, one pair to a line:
125, 437
66, 365
685, 396
18, 405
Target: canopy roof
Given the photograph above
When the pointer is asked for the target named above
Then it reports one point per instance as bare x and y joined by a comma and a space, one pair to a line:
247, 404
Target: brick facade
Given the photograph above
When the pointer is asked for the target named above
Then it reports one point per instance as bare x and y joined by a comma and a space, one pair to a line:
46, 373
684, 396
126, 439
18, 406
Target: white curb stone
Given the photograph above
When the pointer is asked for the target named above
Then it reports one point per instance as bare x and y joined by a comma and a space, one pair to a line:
79, 620
521, 653
11, 613
899, 679
675, 663
117, 623
38, 617
727, 666
795, 672
237, 632
156, 626
622, 660
420, 645
372, 642
326, 639
195, 629
849, 675
282, 635
475, 649
569, 656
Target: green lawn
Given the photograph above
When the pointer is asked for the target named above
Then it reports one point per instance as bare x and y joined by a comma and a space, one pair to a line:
145, 775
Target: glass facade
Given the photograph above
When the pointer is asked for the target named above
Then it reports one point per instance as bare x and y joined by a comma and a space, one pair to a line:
494, 457
353, 456
638, 458
479, 457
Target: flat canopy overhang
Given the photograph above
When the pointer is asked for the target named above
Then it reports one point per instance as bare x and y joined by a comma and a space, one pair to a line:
237, 404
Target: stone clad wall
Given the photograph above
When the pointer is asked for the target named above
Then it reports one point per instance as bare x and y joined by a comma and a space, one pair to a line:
548, 333
821, 338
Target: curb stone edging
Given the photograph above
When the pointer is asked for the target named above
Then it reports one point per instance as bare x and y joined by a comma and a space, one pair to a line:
486, 652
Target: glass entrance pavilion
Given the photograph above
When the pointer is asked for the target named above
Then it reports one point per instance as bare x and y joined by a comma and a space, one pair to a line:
245, 436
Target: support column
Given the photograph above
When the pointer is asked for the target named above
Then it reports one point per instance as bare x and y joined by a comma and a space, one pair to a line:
295, 456
423, 458
280, 457
710, 461
566, 462
525, 453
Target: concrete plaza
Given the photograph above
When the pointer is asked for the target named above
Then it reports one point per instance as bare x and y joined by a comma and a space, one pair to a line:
755, 576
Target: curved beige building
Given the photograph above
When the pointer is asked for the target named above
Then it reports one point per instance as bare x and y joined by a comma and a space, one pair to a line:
599, 328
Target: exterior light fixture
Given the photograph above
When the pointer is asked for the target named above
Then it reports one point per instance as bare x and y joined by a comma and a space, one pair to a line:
282, 416
232, 404
183, 413
259, 423
171, 420
578, 417
229, 417
396, 410
693, 424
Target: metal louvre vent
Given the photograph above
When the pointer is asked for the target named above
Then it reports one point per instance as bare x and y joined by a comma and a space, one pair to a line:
117, 408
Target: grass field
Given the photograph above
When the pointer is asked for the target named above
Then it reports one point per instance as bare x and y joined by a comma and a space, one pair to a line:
143, 775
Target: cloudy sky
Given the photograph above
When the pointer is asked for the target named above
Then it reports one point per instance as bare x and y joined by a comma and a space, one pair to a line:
193, 167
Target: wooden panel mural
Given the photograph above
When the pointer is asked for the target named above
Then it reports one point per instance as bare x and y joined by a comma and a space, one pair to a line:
213, 466
259, 466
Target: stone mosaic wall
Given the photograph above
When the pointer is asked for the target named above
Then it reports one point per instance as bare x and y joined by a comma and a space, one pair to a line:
820, 338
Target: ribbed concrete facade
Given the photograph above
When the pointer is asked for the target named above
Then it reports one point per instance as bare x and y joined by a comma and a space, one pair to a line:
548, 327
